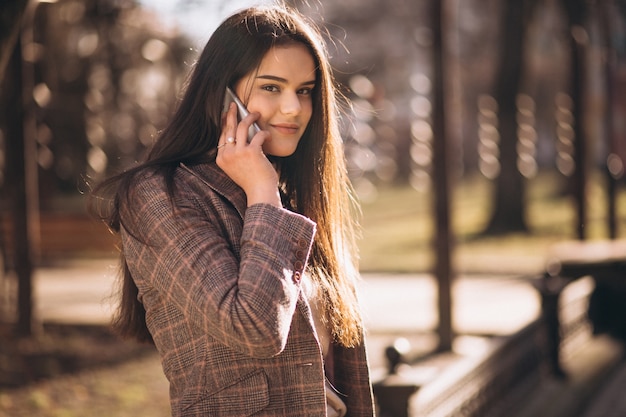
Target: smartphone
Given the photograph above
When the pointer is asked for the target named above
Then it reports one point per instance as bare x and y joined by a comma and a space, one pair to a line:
242, 112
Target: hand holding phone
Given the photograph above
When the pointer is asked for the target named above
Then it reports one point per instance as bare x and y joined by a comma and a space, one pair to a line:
252, 171
231, 97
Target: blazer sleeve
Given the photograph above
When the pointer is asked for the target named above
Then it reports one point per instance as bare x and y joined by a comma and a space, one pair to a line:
245, 300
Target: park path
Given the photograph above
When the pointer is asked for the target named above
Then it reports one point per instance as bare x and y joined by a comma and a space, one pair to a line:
394, 305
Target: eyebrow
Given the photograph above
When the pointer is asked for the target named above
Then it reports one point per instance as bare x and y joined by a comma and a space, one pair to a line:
282, 80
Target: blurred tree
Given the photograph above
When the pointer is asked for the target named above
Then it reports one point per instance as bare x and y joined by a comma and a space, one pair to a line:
509, 209
112, 75
610, 65
611, 16
576, 12
472, 42
88, 87
11, 13
21, 169
443, 244
20, 191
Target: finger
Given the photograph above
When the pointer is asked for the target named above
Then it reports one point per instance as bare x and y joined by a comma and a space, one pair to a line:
229, 127
228, 141
248, 128
231, 120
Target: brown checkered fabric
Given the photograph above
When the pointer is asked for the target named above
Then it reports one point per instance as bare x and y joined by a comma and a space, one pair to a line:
220, 284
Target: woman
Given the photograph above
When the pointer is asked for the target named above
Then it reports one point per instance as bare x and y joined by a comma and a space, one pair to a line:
239, 256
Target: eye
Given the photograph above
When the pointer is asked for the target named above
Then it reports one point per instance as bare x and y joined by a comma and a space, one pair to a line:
306, 91
271, 88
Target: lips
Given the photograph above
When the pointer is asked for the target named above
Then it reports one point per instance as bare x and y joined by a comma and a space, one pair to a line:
286, 128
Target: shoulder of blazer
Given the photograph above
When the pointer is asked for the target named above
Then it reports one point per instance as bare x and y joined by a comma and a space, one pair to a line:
216, 179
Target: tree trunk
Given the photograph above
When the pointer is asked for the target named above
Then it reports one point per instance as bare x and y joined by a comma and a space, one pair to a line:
21, 187
509, 210
576, 12
441, 175
11, 13
610, 63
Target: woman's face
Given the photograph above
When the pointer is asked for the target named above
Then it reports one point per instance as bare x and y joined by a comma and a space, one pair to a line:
281, 92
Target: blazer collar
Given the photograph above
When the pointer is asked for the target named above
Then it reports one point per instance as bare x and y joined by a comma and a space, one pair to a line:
216, 179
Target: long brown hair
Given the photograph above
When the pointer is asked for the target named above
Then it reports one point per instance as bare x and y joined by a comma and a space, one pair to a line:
314, 178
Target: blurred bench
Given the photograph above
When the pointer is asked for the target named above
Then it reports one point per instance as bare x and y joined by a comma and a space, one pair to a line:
583, 281
605, 262
487, 385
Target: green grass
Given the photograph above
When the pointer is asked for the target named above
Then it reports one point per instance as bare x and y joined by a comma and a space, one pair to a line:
398, 227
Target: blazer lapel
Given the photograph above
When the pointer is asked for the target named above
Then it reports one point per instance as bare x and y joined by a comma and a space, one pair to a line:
215, 178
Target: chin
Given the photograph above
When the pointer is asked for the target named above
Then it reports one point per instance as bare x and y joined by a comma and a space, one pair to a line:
279, 151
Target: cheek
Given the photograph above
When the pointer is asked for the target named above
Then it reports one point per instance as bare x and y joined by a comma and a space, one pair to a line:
261, 106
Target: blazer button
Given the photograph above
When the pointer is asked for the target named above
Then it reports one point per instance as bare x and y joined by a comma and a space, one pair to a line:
298, 266
303, 243
296, 277
300, 254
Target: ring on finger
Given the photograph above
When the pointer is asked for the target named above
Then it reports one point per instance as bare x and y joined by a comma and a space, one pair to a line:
229, 139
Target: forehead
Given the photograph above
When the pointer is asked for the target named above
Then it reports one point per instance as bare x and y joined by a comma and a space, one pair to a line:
293, 61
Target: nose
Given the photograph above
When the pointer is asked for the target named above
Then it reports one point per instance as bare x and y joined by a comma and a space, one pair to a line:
290, 103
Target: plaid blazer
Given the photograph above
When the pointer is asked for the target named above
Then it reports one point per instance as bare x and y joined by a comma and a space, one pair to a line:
220, 283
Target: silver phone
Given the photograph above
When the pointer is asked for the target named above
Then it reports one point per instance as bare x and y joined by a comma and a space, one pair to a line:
242, 112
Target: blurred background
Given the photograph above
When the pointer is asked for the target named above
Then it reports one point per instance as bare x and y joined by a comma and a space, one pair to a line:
483, 134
